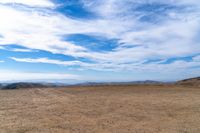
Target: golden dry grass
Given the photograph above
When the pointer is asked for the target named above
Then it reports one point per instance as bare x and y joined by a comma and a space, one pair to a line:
102, 109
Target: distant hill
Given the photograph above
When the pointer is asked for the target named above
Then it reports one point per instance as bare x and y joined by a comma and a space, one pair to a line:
191, 82
118, 83
23, 85
146, 82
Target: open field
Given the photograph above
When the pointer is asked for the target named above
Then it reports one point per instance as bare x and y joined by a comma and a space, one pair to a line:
101, 109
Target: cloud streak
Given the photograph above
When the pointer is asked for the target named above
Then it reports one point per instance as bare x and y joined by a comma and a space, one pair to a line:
49, 61
137, 66
26, 76
32, 3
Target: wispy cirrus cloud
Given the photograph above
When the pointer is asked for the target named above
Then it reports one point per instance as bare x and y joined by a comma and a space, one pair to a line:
162, 65
1, 47
196, 58
51, 27
32, 3
142, 30
22, 50
49, 61
10, 48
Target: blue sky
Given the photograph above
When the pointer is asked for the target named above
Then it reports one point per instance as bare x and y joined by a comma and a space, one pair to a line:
99, 40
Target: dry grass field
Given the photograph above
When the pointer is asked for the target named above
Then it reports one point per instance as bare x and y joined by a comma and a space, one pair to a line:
101, 109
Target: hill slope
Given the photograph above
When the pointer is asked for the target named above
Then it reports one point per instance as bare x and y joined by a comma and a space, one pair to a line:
191, 81
23, 85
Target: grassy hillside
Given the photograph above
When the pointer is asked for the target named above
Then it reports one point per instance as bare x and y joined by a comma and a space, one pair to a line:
190, 82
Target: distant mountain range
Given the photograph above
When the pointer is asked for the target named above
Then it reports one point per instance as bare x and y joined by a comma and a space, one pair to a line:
21, 85
118, 83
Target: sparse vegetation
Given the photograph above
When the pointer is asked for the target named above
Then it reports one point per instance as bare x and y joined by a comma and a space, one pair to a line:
190, 82
101, 109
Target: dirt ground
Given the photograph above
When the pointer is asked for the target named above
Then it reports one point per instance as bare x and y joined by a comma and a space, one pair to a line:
101, 109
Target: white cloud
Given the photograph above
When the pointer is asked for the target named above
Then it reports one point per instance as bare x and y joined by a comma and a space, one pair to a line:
34, 3
2, 48
173, 37
49, 61
1, 61
25, 76
160, 66
22, 50
17, 49
196, 58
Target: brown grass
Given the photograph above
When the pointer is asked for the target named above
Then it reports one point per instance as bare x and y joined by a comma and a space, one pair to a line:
102, 109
